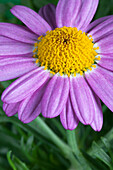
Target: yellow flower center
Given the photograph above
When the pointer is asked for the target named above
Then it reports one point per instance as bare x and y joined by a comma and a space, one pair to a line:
66, 51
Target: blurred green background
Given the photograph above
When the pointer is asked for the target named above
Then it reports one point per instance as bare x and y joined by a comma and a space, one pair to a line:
28, 147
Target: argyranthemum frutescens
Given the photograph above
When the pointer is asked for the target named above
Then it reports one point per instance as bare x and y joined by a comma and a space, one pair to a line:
64, 63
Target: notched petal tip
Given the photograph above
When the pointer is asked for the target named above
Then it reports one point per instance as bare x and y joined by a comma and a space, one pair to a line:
68, 117
97, 129
30, 108
82, 99
10, 109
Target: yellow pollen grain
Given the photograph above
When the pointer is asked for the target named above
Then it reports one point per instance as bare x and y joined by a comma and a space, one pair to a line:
98, 58
66, 51
94, 66
37, 61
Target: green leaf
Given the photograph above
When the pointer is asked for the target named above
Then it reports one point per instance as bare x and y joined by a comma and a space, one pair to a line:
30, 142
94, 163
15, 163
27, 128
19, 164
103, 8
5, 84
101, 154
10, 161
105, 142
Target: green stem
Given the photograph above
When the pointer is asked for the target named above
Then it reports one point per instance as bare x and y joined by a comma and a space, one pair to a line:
71, 138
66, 150
72, 141
50, 133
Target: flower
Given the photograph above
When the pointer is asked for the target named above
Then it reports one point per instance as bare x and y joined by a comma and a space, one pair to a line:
64, 63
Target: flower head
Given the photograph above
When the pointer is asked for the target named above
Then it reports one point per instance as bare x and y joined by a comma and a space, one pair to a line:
64, 63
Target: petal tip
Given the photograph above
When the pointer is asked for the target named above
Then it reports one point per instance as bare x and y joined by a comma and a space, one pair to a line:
13, 8
25, 121
97, 129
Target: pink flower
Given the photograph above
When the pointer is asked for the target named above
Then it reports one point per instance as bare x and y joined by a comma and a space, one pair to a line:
64, 63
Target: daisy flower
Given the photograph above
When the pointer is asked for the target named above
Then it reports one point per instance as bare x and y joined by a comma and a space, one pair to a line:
64, 63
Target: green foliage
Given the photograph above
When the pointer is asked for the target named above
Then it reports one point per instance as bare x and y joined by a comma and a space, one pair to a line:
15, 163
105, 8
40, 4
29, 146
101, 154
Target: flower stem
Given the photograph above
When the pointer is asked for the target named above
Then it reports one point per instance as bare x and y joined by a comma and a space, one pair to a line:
71, 138
72, 141
66, 150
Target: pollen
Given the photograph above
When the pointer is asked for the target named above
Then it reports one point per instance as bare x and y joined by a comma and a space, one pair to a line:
66, 51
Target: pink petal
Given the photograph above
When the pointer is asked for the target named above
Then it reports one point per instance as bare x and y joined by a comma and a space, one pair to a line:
55, 96
16, 32
30, 108
68, 117
48, 12
25, 85
75, 13
12, 47
6, 40
98, 116
94, 26
83, 100
12, 67
101, 81
10, 109
66, 12
106, 62
18, 55
105, 44
86, 13
31, 19
102, 30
